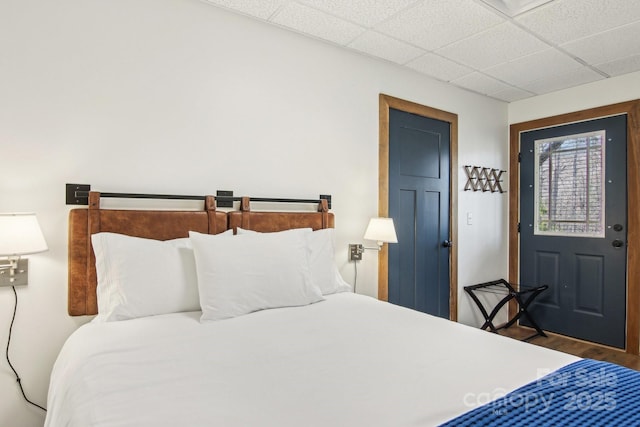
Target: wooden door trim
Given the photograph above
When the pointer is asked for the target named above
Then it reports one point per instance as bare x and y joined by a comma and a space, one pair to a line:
632, 110
385, 103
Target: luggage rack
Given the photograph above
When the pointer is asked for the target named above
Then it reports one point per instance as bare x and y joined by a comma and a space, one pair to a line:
502, 287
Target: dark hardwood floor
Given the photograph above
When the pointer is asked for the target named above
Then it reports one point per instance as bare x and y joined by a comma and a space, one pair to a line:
575, 347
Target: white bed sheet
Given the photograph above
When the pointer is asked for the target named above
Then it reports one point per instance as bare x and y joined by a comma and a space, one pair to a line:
346, 361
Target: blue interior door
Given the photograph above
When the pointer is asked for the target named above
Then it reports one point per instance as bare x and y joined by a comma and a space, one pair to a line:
419, 152
573, 207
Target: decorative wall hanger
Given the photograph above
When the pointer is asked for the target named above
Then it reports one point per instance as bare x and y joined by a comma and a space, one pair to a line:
483, 179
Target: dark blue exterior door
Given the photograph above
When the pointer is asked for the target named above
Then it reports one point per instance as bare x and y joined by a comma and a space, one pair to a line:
419, 156
573, 221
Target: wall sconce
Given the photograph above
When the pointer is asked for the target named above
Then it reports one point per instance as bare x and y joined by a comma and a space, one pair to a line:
381, 230
20, 234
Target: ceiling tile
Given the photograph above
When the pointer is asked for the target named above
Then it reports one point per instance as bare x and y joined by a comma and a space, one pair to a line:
562, 21
502, 43
435, 23
480, 83
609, 46
316, 23
562, 81
439, 67
534, 67
259, 8
514, 7
385, 47
512, 94
621, 66
363, 12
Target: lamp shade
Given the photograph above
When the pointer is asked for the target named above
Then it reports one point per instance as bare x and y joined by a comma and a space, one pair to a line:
381, 230
20, 234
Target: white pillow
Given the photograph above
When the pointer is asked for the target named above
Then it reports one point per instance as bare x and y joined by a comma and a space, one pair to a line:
322, 262
252, 272
143, 277
324, 271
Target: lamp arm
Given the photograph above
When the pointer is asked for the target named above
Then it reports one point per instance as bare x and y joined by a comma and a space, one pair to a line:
376, 248
10, 263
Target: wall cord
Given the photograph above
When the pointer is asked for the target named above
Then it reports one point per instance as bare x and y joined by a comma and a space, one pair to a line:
355, 279
15, 309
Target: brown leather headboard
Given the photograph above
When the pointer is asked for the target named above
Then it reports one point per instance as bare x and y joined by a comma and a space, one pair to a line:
162, 225
278, 221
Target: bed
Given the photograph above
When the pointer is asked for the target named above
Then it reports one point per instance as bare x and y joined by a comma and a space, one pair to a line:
334, 359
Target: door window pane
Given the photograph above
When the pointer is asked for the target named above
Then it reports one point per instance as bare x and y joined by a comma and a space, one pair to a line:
569, 185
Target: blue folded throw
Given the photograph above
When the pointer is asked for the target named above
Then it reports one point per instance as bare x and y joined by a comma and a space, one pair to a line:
584, 393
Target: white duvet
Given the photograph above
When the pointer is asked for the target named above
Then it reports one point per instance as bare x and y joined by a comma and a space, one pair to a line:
346, 361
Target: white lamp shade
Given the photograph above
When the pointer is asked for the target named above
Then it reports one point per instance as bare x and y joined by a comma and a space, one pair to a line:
381, 230
20, 234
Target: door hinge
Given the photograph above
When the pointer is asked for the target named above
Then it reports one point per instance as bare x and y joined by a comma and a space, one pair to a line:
519, 157
518, 227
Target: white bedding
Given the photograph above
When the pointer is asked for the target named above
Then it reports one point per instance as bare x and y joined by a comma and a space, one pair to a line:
346, 361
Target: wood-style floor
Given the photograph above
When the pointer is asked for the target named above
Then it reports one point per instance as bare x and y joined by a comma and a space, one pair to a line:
575, 347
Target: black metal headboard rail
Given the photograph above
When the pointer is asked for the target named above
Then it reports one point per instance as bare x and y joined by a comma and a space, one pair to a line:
78, 194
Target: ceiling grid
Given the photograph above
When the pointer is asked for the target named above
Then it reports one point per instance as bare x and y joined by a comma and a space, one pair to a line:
505, 49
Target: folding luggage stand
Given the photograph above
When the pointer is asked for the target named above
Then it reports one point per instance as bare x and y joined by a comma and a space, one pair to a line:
502, 287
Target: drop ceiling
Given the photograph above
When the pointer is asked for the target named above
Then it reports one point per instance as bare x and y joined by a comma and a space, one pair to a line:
505, 49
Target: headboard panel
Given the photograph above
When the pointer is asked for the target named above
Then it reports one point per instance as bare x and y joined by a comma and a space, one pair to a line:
160, 225
278, 221
163, 225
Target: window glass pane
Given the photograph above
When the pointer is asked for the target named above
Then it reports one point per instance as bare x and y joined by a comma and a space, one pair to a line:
569, 185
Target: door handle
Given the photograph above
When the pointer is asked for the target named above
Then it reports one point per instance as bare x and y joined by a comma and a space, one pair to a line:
447, 243
617, 243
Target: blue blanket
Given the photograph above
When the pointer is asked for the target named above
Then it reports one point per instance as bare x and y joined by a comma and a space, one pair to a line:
584, 393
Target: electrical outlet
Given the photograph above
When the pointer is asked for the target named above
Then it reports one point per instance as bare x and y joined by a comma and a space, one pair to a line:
355, 252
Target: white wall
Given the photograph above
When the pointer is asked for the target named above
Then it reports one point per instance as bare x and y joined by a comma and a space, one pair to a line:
596, 94
176, 96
